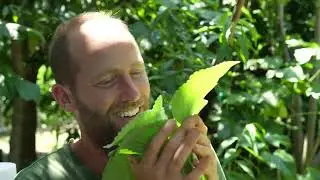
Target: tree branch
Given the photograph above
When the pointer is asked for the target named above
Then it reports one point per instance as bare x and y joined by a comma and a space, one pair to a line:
235, 18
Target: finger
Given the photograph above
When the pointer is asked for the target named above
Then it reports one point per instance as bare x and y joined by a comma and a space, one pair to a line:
199, 170
204, 140
195, 122
154, 147
170, 148
203, 151
184, 150
206, 152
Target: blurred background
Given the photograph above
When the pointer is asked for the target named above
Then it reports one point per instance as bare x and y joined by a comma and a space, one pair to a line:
263, 117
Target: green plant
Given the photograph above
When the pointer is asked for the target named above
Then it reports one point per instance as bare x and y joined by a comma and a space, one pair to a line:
135, 136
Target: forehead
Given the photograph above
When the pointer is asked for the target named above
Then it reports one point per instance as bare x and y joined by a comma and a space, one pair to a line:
97, 34
107, 42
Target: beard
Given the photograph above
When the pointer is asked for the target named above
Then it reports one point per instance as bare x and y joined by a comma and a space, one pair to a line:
102, 128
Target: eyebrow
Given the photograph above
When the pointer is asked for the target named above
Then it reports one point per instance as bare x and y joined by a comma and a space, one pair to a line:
138, 64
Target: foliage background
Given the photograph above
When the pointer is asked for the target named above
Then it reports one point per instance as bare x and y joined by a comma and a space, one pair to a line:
263, 116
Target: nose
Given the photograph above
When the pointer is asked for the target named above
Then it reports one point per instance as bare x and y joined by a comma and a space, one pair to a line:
128, 89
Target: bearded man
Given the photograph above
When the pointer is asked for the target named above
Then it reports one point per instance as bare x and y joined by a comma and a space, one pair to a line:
101, 78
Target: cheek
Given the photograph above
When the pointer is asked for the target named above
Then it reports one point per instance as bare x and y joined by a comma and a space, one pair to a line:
97, 99
144, 88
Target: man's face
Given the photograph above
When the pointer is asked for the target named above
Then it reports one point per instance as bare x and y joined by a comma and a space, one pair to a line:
111, 86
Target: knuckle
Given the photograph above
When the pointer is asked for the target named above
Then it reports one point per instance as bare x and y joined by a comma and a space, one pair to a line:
194, 133
189, 121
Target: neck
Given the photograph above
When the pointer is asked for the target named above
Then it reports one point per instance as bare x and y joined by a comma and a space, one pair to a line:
90, 154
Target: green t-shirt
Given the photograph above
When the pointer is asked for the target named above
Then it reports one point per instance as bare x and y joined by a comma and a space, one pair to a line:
64, 165
59, 165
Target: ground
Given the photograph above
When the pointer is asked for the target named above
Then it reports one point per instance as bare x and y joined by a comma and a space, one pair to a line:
45, 142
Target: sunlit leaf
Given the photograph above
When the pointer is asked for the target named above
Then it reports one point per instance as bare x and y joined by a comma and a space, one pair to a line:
188, 99
294, 74
226, 144
304, 55
246, 168
314, 90
264, 63
229, 156
275, 161
270, 98
278, 139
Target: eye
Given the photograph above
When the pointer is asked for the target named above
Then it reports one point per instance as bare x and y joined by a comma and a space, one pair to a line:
107, 81
137, 73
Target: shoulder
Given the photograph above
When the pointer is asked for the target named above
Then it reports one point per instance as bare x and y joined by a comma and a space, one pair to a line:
47, 167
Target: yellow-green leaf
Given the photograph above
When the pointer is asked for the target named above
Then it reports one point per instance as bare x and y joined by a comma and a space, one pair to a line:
188, 99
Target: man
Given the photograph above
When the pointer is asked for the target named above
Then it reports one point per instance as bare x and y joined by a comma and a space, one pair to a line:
101, 79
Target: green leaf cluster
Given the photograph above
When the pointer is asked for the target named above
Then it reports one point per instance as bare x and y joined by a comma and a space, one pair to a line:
138, 133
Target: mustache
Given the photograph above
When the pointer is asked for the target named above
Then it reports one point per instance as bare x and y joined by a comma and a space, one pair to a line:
128, 105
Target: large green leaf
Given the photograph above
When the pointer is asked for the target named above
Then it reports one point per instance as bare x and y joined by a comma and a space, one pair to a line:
27, 90
281, 161
245, 166
226, 144
277, 140
137, 140
157, 113
188, 99
132, 139
118, 168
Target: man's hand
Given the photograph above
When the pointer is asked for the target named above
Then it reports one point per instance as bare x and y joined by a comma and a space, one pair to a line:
167, 165
203, 148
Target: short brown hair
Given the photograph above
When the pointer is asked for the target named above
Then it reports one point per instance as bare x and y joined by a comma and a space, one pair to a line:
60, 58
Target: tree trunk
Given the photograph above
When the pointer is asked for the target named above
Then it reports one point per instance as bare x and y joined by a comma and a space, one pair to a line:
296, 106
297, 134
24, 119
281, 29
311, 129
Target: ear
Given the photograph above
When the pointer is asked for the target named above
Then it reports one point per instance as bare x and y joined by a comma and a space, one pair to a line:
63, 97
